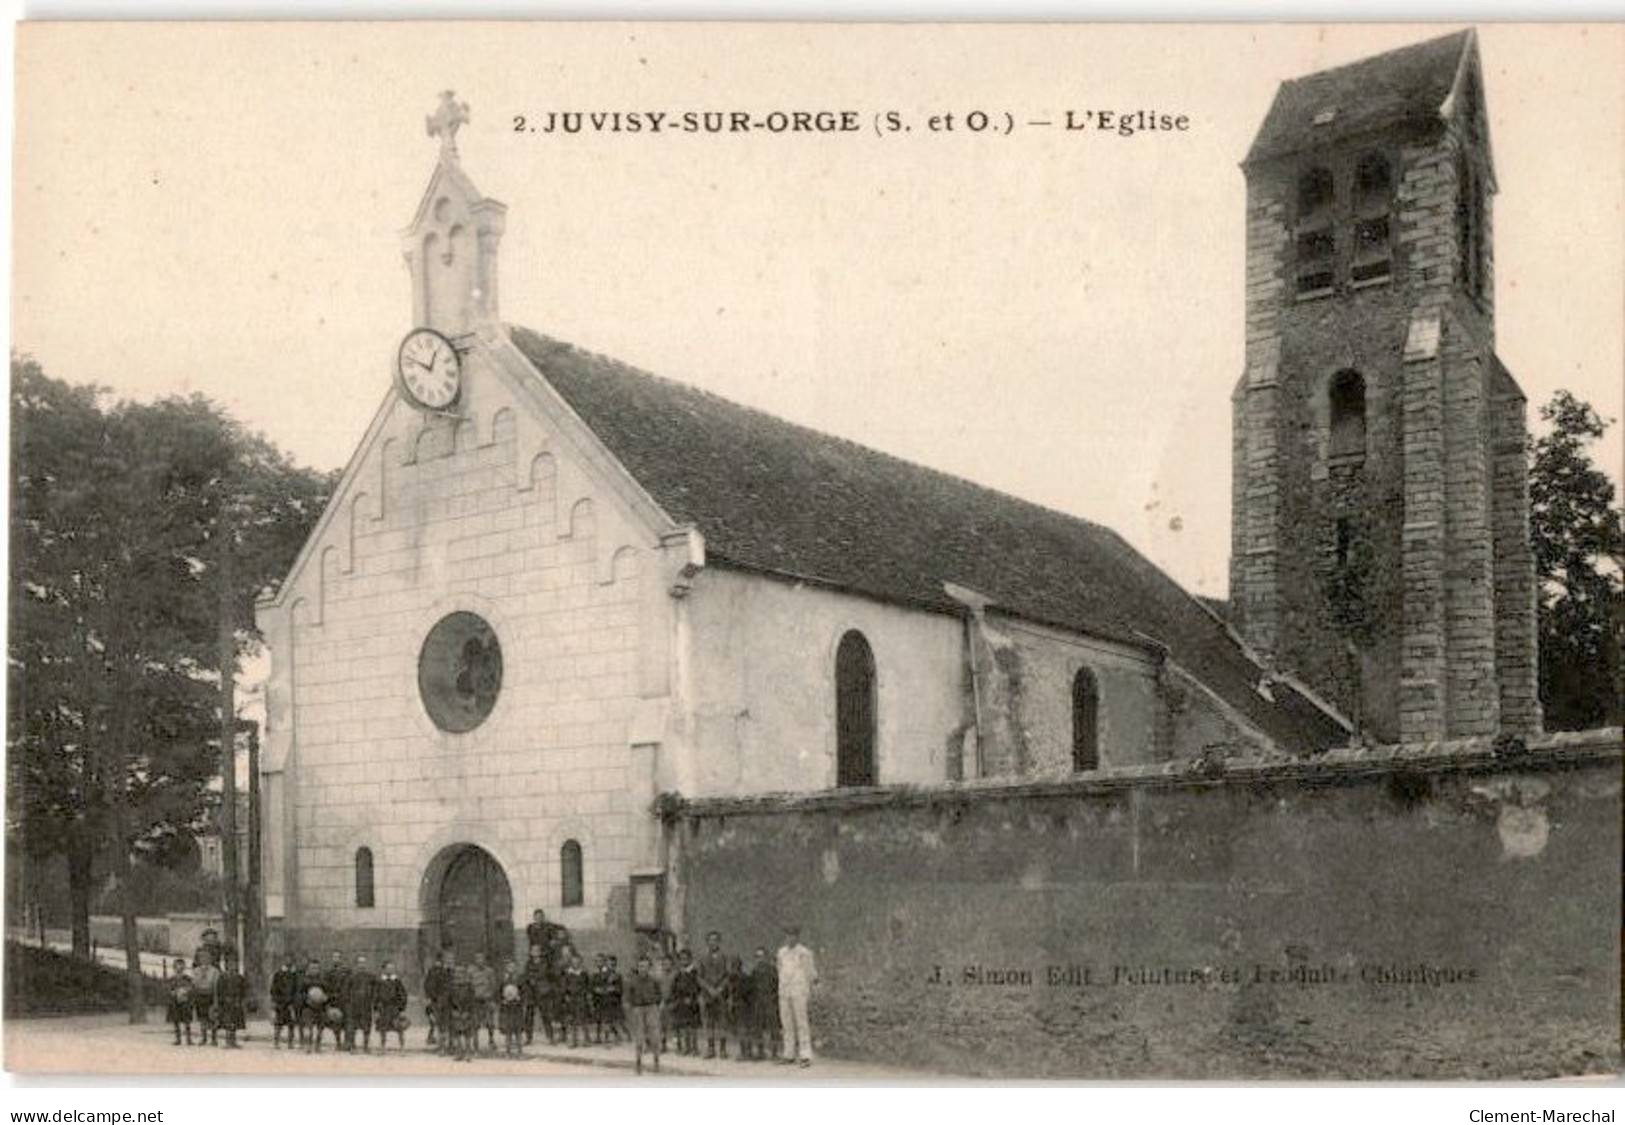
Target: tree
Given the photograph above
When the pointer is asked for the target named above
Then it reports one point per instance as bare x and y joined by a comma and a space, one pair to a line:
1579, 546
125, 521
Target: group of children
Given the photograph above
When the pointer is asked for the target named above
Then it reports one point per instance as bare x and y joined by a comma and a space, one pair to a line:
344, 996
663, 999
721, 997
214, 996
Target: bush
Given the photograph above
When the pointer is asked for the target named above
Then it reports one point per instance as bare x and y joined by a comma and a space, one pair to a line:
43, 982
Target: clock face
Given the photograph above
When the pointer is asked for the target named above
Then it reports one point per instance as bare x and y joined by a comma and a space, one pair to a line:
429, 369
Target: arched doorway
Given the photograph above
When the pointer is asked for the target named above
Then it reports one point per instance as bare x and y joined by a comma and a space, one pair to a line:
468, 904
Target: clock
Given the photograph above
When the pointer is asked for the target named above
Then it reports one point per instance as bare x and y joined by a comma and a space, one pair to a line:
429, 370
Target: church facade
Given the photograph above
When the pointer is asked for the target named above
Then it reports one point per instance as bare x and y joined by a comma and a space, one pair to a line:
551, 589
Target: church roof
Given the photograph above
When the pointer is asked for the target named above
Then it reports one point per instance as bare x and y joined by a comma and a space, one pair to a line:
1410, 84
772, 496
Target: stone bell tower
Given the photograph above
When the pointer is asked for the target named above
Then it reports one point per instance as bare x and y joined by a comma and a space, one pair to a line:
451, 244
1380, 538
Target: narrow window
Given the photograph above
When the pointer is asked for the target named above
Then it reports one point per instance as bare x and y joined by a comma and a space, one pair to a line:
363, 877
1085, 722
1470, 226
1316, 243
1345, 539
854, 711
571, 885
1373, 202
1347, 410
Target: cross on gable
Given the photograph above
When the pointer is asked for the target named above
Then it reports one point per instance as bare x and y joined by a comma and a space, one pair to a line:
445, 122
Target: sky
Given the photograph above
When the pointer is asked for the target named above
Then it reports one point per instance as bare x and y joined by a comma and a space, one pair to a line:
1054, 313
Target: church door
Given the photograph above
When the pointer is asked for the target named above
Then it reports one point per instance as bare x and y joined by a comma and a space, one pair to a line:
476, 907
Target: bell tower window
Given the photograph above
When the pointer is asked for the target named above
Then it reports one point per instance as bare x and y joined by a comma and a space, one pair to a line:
1373, 199
1316, 241
1344, 232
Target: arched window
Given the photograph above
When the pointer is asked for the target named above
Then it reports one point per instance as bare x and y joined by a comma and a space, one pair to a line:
1346, 397
1085, 722
363, 877
571, 884
855, 711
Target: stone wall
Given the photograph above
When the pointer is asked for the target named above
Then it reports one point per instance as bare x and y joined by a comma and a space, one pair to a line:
1435, 911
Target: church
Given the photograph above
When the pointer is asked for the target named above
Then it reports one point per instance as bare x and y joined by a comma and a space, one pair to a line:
552, 591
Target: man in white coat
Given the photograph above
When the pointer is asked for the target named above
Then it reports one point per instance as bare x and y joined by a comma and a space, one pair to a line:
797, 975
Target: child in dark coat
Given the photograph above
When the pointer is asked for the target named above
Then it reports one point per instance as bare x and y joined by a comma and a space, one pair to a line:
511, 1008
230, 1000
360, 995
313, 1016
179, 1009
285, 1002
389, 1007
685, 1004
763, 1016
576, 987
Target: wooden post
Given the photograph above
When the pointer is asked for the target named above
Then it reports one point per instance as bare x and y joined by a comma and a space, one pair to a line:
228, 737
254, 918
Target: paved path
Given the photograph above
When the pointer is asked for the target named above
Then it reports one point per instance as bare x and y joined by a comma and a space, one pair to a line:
109, 1044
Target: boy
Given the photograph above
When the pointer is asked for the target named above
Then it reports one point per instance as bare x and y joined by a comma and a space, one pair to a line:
665, 973
712, 971
763, 989
179, 1009
685, 1004
285, 992
642, 1000
230, 1000
597, 1017
436, 983
360, 996
511, 1009
390, 1007
463, 1021
313, 1018
612, 987
575, 989
538, 994
484, 980
205, 974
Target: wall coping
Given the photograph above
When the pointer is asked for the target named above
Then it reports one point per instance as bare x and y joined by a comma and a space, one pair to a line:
1344, 765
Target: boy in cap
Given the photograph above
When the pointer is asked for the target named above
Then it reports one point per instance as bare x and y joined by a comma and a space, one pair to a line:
178, 1011
483, 978
436, 984
205, 975
762, 989
313, 1016
538, 976
360, 995
685, 1004
642, 999
230, 1000
285, 993
712, 971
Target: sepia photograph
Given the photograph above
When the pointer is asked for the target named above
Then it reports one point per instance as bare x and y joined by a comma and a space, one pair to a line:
816, 553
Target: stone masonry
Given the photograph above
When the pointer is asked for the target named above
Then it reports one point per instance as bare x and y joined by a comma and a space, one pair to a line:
1396, 580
